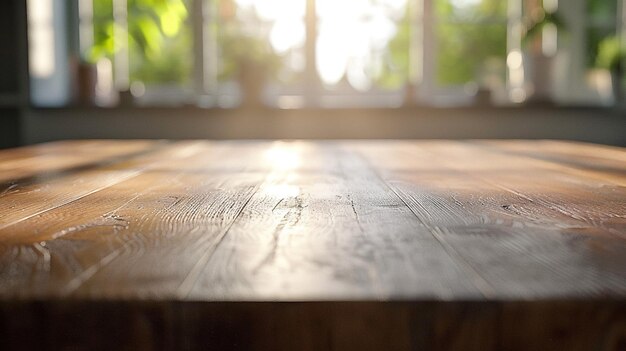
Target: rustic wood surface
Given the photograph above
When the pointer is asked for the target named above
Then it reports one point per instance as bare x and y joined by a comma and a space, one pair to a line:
464, 245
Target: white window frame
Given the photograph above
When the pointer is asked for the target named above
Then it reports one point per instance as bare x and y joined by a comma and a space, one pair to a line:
205, 90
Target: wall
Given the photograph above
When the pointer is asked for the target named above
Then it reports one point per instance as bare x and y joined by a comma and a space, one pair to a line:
13, 71
586, 124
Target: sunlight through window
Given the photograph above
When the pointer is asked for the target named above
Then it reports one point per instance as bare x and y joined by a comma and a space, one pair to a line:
283, 157
41, 38
352, 39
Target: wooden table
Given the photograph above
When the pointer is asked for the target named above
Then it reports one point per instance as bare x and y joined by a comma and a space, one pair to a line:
368, 245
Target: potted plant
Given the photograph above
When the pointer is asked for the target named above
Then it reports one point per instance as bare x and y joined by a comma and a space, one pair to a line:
611, 55
250, 60
542, 62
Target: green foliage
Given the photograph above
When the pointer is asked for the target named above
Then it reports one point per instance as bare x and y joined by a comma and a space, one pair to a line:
239, 50
161, 46
157, 38
395, 69
601, 9
599, 12
464, 46
149, 23
173, 64
611, 53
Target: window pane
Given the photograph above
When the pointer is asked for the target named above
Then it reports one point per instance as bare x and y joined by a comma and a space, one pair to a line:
160, 43
260, 42
149, 43
464, 50
362, 44
279, 33
394, 72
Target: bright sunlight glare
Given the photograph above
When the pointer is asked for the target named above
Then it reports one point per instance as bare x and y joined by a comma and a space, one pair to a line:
282, 159
283, 156
352, 34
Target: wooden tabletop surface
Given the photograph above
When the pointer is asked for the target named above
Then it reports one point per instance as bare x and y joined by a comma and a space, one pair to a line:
368, 221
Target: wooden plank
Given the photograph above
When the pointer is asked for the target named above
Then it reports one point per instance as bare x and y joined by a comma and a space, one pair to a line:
570, 153
129, 207
176, 207
21, 200
520, 254
326, 227
445, 245
330, 218
605, 163
575, 199
35, 163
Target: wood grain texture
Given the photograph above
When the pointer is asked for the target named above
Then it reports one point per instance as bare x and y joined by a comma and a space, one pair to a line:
524, 229
454, 245
328, 227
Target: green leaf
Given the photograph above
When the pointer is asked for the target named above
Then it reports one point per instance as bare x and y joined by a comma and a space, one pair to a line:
170, 24
610, 53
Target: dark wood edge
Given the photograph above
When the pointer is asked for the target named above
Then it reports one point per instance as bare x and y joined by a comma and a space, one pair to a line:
321, 325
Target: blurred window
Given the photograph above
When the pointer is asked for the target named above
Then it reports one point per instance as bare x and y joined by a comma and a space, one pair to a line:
471, 34
294, 53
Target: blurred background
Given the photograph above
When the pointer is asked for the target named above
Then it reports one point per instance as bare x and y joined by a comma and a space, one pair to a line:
312, 69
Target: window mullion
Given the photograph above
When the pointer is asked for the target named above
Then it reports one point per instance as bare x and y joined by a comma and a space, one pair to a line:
429, 49
121, 65
515, 74
416, 38
621, 19
197, 25
312, 83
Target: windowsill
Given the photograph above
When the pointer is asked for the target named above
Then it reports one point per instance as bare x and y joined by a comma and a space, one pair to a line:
391, 107
586, 123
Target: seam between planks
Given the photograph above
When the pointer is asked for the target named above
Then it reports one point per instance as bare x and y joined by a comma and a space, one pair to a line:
191, 279
547, 207
478, 281
56, 174
481, 179
108, 185
77, 282
85, 275
373, 271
